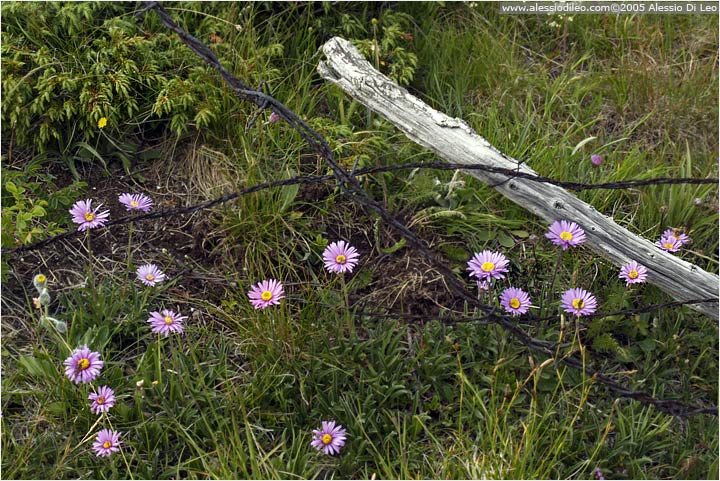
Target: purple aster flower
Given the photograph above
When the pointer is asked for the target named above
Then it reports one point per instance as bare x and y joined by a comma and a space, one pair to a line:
598, 474
669, 244
266, 293
330, 438
340, 257
515, 301
107, 442
274, 117
633, 273
484, 285
136, 202
102, 400
677, 235
596, 160
83, 365
488, 265
150, 274
579, 302
167, 322
86, 216
565, 234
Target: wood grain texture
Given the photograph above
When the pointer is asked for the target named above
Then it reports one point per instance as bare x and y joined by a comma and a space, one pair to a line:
453, 140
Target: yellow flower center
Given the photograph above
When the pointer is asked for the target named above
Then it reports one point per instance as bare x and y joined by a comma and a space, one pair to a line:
150, 277
83, 364
566, 236
327, 438
41, 278
266, 296
668, 245
100, 400
89, 216
578, 303
487, 266
133, 203
168, 320
514, 302
107, 445
633, 274
341, 259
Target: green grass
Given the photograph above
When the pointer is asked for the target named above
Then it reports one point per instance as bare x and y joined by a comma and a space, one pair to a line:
239, 394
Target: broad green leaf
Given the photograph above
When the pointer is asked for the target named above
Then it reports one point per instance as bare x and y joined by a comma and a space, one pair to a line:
505, 240
93, 152
41, 368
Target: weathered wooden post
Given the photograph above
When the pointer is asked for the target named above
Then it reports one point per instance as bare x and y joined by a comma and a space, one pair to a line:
453, 140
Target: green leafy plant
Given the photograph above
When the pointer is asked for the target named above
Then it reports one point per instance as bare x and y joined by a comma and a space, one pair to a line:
31, 203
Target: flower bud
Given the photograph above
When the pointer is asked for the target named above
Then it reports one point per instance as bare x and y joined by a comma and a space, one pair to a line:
596, 160
50, 322
40, 281
59, 325
44, 298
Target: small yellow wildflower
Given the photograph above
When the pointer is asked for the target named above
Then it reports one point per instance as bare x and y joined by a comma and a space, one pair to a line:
102, 122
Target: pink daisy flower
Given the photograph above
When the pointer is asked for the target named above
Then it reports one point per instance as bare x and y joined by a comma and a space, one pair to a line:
565, 234
669, 244
677, 235
488, 265
83, 365
136, 202
266, 293
578, 302
167, 322
330, 438
88, 218
102, 400
107, 442
340, 257
515, 301
633, 273
150, 274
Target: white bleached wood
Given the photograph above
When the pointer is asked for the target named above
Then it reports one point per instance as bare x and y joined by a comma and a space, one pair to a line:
454, 140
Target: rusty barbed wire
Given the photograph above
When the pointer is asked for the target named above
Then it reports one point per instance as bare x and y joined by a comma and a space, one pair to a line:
350, 186
316, 179
514, 174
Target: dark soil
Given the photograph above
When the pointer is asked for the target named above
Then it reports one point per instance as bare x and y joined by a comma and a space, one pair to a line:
178, 244
188, 248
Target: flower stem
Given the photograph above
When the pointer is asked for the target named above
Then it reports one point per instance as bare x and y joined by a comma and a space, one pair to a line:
348, 317
552, 281
129, 248
159, 369
91, 267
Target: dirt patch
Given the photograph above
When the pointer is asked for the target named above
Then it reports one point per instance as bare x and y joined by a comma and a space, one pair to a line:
179, 244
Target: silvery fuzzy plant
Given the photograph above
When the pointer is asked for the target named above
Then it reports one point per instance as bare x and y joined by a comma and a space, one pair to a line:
43, 301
